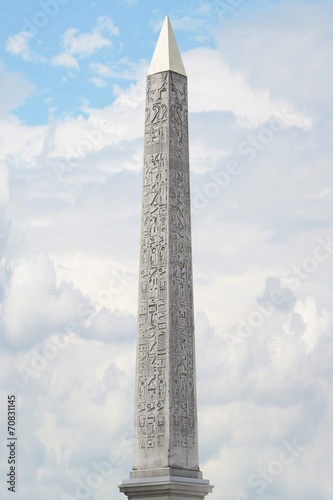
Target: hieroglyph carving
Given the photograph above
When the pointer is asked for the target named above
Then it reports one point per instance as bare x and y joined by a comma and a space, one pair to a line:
152, 339
165, 385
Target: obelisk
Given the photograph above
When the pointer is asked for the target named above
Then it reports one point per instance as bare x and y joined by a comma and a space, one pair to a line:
166, 464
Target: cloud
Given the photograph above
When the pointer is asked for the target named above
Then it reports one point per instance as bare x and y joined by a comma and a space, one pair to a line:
270, 46
317, 323
4, 184
123, 69
197, 21
102, 70
112, 327
15, 89
20, 142
84, 45
65, 59
99, 82
265, 380
252, 107
284, 297
34, 306
19, 45
273, 387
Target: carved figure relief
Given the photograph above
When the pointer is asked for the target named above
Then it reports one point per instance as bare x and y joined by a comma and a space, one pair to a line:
165, 334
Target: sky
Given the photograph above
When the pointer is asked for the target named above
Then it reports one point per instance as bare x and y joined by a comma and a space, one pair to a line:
72, 90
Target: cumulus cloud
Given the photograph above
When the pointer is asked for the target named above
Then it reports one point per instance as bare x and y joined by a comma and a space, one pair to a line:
253, 107
249, 231
20, 142
99, 82
65, 59
14, 90
19, 45
317, 323
112, 327
263, 398
273, 57
84, 45
33, 306
102, 69
4, 184
123, 69
281, 298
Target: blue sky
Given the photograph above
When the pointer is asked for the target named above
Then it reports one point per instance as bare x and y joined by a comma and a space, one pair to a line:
136, 27
71, 145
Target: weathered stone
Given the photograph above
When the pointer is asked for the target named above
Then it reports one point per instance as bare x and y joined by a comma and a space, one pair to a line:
166, 464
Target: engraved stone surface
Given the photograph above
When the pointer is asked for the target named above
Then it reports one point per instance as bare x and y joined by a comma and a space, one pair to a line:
165, 407
165, 423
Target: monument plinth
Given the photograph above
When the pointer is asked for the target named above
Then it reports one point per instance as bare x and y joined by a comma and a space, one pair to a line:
166, 463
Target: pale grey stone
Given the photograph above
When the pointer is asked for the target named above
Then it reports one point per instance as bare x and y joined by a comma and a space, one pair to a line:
166, 463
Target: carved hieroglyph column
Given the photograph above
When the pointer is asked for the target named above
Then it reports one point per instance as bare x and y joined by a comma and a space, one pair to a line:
166, 463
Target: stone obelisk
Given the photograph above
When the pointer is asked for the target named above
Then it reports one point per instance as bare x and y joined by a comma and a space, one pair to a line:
166, 464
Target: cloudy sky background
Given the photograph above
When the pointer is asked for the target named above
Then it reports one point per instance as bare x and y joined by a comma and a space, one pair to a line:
72, 87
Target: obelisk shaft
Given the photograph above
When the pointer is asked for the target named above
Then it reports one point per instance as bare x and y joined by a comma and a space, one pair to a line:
165, 406
166, 465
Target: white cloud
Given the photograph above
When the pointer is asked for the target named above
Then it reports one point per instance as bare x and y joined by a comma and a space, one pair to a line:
110, 284
252, 107
102, 70
65, 59
196, 21
317, 323
14, 90
4, 183
58, 438
271, 45
19, 141
33, 306
123, 69
270, 378
274, 386
99, 82
323, 193
19, 45
84, 45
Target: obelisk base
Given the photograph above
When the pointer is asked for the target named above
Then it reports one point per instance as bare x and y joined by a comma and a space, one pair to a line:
166, 472
166, 488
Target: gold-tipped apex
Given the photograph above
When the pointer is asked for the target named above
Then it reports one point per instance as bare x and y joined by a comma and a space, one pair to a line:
167, 56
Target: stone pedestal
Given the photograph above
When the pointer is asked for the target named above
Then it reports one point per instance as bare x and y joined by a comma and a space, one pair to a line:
163, 489
166, 484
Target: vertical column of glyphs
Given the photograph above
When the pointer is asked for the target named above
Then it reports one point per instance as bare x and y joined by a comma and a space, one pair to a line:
151, 413
165, 414
183, 423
